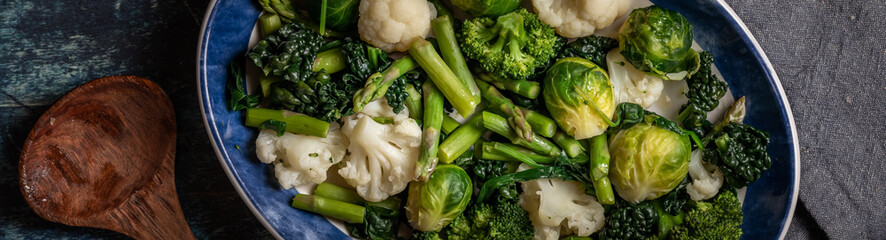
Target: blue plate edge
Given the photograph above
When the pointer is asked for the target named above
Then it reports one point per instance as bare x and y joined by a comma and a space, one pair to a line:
213, 132
723, 7
770, 70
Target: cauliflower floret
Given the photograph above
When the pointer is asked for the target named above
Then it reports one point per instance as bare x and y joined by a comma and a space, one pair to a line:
382, 156
632, 85
301, 159
579, 18
559, 207
392, 25
706, 178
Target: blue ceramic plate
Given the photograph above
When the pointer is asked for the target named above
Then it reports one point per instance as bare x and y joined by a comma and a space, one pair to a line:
768, 205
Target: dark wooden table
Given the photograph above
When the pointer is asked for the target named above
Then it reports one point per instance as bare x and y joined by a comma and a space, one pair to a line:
50, 47
828, 53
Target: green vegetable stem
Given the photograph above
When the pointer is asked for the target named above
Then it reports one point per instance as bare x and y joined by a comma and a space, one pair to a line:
343, 194
453, 89
599, 156
451, 53
433, 119
331, 208
449, 124
294, 122
515, 114
499, 125
525, 88
572, 147
461, 139
377, 84
505, 152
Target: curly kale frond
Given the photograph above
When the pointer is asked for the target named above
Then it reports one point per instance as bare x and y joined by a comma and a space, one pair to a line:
740, 153
485, 170
718, 219
288, 53
592, 47
318, 97
239, 99
630, 221
397, 94
512, 46
705, 89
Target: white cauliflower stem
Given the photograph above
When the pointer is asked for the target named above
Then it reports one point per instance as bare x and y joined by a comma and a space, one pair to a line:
392, 25
579, 18
300, 159
559, 207
706, 178
382, 156
632, 85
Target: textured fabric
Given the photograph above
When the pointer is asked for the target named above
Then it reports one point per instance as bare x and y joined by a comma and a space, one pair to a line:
831, 58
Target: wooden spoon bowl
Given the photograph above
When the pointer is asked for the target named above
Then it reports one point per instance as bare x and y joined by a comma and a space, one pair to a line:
103, 156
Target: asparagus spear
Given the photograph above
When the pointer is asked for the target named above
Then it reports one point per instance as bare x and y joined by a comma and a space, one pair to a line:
526, 88
493, 151
331, 208
499, 125
449, 124
455, 92
295, 122
343, 194
413, 102
433, 119
599, 155
515, 115
461, 140
451, 53
569, 145
378, 83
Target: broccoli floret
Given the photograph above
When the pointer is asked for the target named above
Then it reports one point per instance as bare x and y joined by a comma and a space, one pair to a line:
417, 235
592, 47
705, 91
740, 153
505, 220
720, 219
512, 46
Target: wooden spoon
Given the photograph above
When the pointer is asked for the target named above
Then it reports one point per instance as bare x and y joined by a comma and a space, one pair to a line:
103, 157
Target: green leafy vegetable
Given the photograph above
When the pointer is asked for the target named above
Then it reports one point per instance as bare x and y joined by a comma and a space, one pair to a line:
705, 91
740, 153
278, 126
592, 47
239, 99
318, 97
579, 97
512, 46
658, 41
486, 8
288, 53
340, 14
648, 160
630, 222
504, 220
433, 204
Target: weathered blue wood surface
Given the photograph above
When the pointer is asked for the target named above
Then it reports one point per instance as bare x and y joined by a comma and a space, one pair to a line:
49, 47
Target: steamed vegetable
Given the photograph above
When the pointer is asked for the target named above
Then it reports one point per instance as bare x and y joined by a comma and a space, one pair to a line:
559, 207
433, 204
592, 47
340, 14
382, 156
378, 84
740, 153
486, 8
512, 46
392, 25
239, 99
706, 178
433, 120
368, 220
300, 159
456, 91
718, 219
288, 121
658, 41
502, 220
632, 85
575, 19
579, 97
648, 160
705, 91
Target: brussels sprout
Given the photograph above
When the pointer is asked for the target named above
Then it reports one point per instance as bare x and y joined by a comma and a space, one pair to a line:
579, 97
433, 204
648, 161
486, 8
341, 15
658, 41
